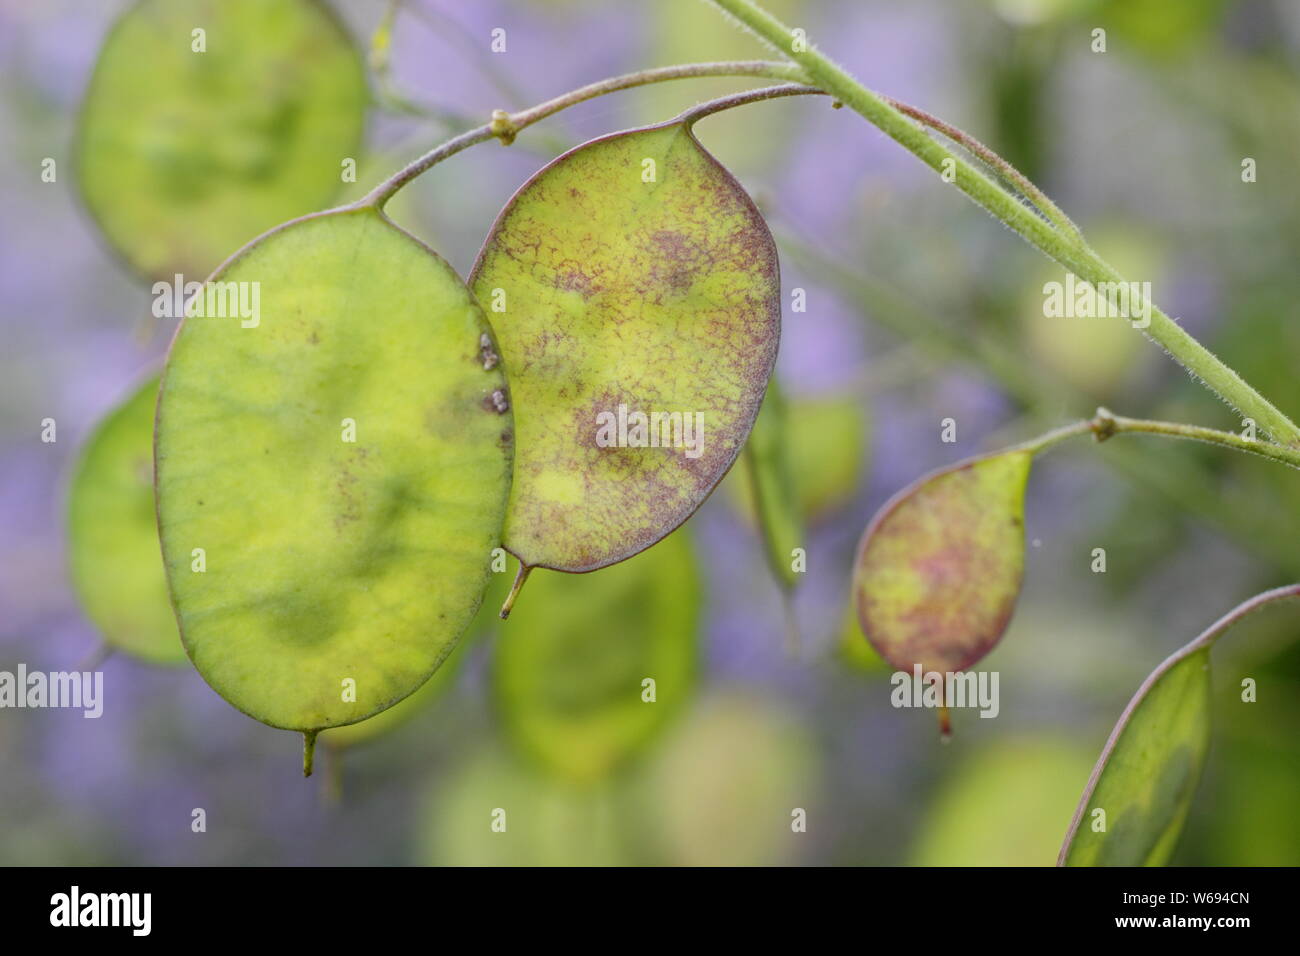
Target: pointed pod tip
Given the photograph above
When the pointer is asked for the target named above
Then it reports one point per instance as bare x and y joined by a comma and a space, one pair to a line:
945, 725
520, 578
308, 751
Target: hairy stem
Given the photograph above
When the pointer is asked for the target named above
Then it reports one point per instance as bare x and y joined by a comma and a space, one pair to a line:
1004, 169
1060, 244
505, 126
1105, 424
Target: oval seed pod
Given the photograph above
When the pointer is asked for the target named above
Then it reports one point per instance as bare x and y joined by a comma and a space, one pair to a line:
938, 570
332, 471
570, 675
183, 154
634, 291
113, 553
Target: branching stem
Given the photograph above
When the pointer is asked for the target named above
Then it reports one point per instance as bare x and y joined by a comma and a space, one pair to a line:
1060, 243
505, 126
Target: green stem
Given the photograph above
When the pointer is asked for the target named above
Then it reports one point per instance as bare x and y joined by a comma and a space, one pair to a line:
1105, 424
992, 159
1060, 244
505, 126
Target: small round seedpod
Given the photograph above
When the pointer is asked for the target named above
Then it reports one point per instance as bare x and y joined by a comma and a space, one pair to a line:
939, 568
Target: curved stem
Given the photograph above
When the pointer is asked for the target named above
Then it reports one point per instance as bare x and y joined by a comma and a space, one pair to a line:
505, 126
1105, 424
690, 116
1003, 168
1063, 246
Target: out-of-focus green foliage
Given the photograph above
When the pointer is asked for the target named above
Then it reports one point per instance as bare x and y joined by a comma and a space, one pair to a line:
823, 438
185, 155
113, 549
631, 277
495, 811
571, 663
347, 480
727, 788
1007, 804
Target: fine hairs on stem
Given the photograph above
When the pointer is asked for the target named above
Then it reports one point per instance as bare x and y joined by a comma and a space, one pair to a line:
1060, 243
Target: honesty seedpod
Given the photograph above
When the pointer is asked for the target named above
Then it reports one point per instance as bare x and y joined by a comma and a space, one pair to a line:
117, 571
634, 290
331, 478
206, 124
1144, 782
939, 568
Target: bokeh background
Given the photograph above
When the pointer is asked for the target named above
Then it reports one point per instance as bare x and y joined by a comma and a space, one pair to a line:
919, 308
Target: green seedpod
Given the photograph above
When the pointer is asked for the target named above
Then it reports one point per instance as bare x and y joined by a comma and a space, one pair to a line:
497, 811
735, 785
113, 553
771, 493
824, 437
1004, 805
332, 468
1134, 807
592, 668
1138, 798
207, 123
938, 569
634, 290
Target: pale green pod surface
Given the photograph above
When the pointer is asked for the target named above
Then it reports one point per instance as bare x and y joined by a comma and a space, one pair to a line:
342, 460
432, 690
113, 551
496, 811
571, 665
939, 568
1147, 775
1005, 805
631, 277
728, 786
183, 156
